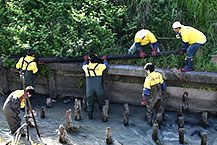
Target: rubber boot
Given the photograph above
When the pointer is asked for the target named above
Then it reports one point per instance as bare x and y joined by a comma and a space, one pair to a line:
188, 67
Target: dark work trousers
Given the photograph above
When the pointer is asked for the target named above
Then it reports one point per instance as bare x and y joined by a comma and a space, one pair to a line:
29, 79
12, 114
154, 101
94, 90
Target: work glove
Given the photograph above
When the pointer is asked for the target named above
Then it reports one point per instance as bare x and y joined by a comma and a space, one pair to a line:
142, 54
182, 52
163, 92
40, 62
104, 57
154, 52
85, 58
143, 101
23, 96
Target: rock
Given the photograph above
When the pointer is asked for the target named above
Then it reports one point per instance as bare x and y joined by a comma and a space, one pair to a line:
66, 101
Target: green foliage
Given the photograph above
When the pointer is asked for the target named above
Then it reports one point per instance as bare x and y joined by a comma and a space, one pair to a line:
107, 27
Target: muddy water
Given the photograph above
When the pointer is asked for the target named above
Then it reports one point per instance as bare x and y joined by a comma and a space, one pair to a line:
93, 132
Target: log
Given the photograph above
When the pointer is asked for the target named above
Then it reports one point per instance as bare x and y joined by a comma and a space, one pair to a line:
42, 112
155, 132
105, 113
126, 118
203, 138
204, 116
68, 119
77, 108
85, 104
62, 134
181, 135
49, 102
108, 136
181, 122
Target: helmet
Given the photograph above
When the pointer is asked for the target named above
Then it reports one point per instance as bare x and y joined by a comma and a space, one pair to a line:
177, 24
141, 33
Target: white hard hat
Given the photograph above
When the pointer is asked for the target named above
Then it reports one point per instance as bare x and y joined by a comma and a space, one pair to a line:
141, 33
177, 24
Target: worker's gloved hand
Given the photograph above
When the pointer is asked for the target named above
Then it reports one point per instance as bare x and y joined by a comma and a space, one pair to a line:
163, 92
154, 52
40, 62
143, 101
104, 57
182, 52
85, 58
23, 96
142, 54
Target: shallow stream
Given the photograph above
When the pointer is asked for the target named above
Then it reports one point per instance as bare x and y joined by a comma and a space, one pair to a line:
93, 132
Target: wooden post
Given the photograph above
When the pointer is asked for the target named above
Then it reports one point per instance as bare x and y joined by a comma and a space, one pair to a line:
203, 138
85, 104
181, 135
42, 112
181, 122
154, 133
126, 114
105, 113
62, 134
49, 102
77, 108
108, 136
68, 119
204, 116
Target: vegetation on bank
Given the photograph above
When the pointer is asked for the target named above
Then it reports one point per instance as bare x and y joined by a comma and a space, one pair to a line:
68, 28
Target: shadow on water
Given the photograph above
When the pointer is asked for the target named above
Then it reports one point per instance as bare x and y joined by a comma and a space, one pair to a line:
93, 132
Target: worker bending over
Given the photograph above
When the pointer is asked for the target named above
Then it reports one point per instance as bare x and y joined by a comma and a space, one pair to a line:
144, 37
192, 40
154, 88
93, 71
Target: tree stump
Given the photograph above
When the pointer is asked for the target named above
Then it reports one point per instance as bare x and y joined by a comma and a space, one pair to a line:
105, 113
68, 119
181, 122
62, 134
126, 118
42, 112
108, 136
155, 132
181, 135
203, 138
85, 104
49, 102
77, 108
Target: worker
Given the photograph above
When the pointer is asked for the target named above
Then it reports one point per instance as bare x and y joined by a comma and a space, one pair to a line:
28, 66
154, 87
93, 70
13, 105
144, 37
192, 40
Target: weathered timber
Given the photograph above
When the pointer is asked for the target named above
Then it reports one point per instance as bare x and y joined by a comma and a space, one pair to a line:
181, 135
105, 113
68, 119
108, 136
49, 102
204, 117
62, 134
203, 138
77, 108
181, 122
155, 132
126, 118
42, 112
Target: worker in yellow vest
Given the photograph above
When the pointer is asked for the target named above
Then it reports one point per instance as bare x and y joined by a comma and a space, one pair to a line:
192, 40
144, 37
13, 105
28, 66
93, 70
154, 88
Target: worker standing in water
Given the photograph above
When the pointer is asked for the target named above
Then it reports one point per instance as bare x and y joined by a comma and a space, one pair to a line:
144, 37
192, 41
93, 70
13, 105
154, 88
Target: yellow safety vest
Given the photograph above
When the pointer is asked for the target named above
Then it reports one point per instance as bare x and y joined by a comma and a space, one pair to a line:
18, 93
149, 38
93, 69
152, 79
28, 62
